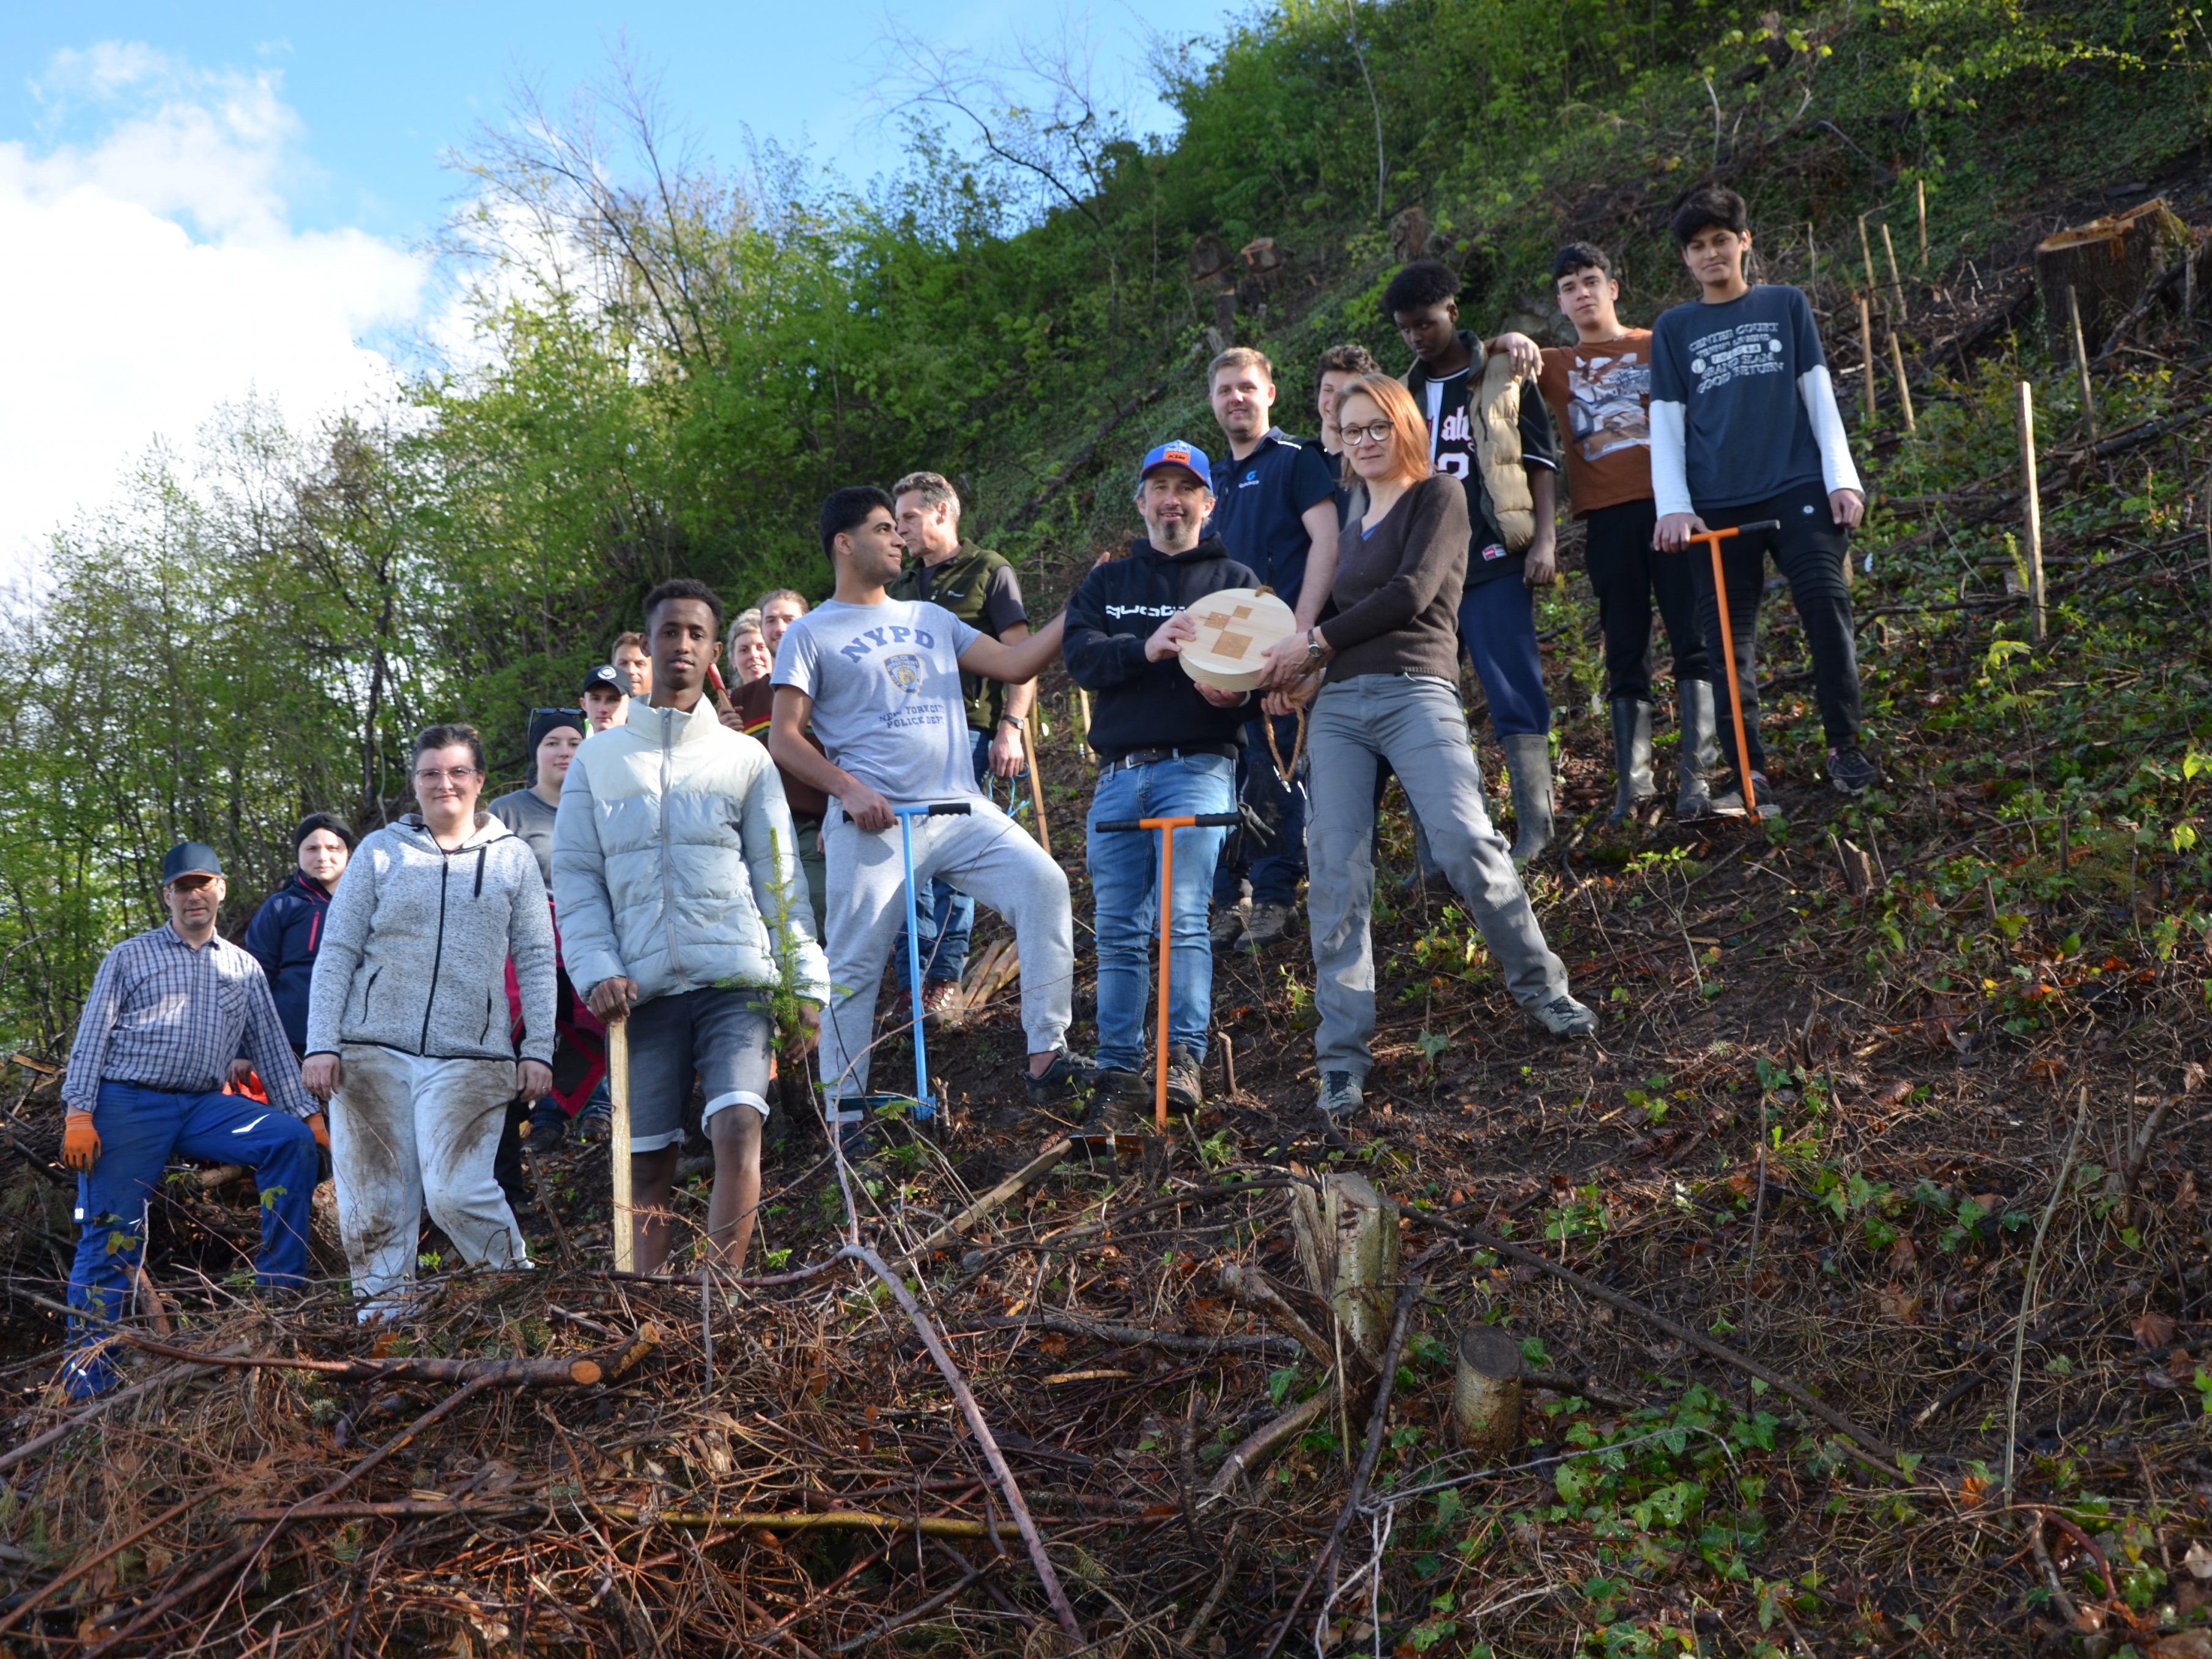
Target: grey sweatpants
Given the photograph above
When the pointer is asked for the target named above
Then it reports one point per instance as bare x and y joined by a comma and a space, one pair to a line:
405, 1132
985, 854
1416, 723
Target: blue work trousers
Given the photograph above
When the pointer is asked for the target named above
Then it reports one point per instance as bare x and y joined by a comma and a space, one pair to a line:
1498, 631
140, 1130
1125, 873
1276, 863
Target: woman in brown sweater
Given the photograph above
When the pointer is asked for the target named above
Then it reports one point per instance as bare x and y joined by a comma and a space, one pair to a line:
1388, 662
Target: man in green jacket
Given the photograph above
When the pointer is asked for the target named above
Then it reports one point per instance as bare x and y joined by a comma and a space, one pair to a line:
981, 589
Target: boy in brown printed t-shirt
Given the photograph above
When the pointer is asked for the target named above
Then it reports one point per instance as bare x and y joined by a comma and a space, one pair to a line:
1600, 393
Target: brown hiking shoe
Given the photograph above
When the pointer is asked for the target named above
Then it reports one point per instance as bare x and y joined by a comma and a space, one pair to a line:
1268, 924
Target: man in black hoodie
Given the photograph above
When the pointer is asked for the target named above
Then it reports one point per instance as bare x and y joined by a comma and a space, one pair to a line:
1167, 746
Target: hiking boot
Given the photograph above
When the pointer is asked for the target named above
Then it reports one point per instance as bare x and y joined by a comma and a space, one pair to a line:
1340, 1096
1228, 924
1268, 924
1693, 795
1563, 1017
1186, 1089
940, 1005
1851, 771
549, 1128
596, 1122
1114, 1106
1067, 1076
1631, 759
1529, 766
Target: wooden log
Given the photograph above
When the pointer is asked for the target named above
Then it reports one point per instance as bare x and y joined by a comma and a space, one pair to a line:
1347, 1242
2105, 262
1487, 1392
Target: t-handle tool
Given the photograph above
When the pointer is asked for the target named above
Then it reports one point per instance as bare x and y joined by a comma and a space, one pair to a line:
1713, 538
1167, 827
924, 1107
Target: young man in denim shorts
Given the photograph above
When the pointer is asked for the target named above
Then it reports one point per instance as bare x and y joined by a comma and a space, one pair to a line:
676, 873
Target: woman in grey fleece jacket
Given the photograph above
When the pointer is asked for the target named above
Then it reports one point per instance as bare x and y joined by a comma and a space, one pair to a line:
407, 1025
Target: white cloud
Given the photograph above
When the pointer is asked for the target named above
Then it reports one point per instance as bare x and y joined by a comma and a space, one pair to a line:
152, 272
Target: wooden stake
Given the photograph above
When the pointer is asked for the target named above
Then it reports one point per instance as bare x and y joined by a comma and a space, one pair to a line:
1896, 282
2208, 558
1036, 789
1866, 253
2034, 525
1811, 253
1866, 350
618, 1144
1920, 201
1083, 706
1904, 388
2081, 362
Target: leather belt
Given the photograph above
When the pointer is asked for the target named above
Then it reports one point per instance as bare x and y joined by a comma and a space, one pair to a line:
1154, 756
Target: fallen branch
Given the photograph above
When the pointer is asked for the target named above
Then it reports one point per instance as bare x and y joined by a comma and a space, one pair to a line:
1251, 1454
1038, 1167
1134, 1336
1378, 1420
426, 1509
1252, 1286
1875, 1451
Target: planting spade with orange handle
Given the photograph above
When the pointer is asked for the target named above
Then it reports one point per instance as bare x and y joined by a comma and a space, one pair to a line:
1713, 538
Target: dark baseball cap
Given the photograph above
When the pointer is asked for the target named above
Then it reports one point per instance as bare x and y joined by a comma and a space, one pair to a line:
605, 678
190, 858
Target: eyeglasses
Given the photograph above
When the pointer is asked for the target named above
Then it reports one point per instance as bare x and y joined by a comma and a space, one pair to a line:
1380, 433
192, 883
456, 776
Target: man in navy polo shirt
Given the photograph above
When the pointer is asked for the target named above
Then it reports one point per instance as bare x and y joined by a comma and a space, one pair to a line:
1274, 509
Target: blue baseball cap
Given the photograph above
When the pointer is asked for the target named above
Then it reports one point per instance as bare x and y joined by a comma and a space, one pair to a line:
190, 858
1175, 453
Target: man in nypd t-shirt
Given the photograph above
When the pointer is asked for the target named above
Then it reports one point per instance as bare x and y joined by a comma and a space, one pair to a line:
1274, 509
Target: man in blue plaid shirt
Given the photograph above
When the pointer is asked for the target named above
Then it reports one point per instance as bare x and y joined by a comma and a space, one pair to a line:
165, 1018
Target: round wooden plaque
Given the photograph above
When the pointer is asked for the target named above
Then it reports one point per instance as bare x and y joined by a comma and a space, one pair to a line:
1235, 628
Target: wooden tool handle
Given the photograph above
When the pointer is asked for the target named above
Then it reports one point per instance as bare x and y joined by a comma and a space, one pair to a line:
618, 1143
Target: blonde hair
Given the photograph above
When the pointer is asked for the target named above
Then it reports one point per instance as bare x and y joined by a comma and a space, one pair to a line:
1240, 357
1409, 431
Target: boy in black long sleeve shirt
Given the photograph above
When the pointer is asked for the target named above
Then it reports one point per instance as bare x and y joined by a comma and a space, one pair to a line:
1167, 746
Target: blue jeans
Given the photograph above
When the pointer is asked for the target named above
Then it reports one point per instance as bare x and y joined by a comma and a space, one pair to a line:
1274, 864
1498, 631
140, 1129
1125, 881
946, 915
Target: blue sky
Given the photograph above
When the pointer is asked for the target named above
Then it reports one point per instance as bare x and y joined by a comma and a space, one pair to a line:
205, 202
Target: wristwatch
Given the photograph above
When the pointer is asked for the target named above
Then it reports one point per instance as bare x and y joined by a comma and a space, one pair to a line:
1019, 722
1317, 648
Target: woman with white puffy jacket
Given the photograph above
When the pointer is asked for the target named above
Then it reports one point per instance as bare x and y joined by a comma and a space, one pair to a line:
676, 873
408, 1032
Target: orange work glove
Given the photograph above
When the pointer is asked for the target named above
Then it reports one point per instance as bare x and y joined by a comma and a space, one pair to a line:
80, 1143
319, 1126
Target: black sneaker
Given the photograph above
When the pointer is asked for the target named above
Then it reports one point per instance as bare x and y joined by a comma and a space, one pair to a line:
1067, 1076
548, 1128
596, 1122
1186, 1089
1340, 1096
1851, 771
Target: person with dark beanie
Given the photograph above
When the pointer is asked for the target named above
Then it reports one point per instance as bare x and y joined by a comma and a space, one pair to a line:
1167, 746
287, 931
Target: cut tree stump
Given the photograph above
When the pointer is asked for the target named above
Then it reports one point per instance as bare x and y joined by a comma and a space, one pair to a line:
2107, 262
1487, 1392
1347, 1239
